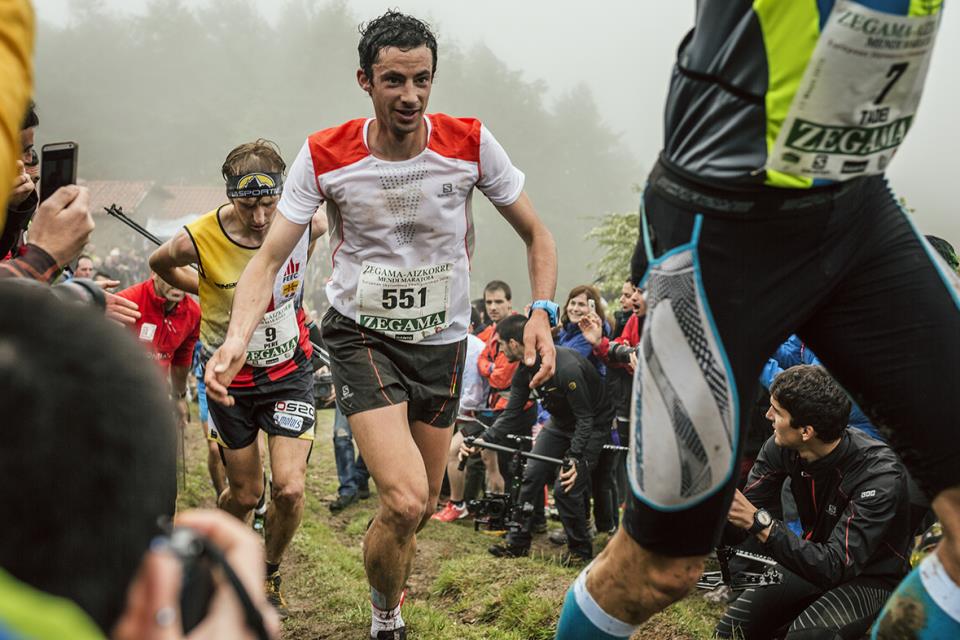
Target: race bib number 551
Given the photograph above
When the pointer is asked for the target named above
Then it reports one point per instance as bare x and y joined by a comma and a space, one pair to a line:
859, 94
405, 304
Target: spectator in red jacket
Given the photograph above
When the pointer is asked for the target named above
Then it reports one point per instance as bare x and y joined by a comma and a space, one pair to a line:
170, 322
493, 364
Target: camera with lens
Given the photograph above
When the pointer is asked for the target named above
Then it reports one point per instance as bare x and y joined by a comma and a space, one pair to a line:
491, 511
193, 552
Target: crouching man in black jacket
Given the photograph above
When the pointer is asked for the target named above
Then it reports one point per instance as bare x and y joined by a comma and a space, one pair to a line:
579, 426
851, 493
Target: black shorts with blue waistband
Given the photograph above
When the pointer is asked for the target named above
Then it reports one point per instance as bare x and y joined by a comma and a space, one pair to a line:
842, 267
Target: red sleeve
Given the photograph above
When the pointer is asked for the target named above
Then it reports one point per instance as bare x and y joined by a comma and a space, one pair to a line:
602, 348
630, 336
487, 358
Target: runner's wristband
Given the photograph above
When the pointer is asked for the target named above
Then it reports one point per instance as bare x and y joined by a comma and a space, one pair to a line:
551, 307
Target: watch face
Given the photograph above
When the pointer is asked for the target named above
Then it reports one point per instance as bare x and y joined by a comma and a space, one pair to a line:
764, 518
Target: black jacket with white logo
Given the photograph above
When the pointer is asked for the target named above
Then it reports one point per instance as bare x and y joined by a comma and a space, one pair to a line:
853, 507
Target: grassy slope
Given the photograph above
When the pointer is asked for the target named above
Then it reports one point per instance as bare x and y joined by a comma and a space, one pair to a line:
457, 592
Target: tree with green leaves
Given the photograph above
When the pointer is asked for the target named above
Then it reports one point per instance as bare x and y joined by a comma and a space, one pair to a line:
616, 236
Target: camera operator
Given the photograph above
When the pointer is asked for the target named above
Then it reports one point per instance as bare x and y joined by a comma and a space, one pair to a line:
89, 469
851, 493
579, 426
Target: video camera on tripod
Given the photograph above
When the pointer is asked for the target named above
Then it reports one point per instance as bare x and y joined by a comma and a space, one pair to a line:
502, 511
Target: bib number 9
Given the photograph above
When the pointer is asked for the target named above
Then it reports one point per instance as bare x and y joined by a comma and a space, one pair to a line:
270, 334
404, 298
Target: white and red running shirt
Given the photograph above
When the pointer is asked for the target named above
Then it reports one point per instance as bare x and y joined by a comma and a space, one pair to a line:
401, 233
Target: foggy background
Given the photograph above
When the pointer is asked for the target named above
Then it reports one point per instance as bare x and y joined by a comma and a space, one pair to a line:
161, 90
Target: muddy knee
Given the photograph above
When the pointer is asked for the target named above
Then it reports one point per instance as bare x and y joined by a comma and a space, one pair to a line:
287, 496
403, 511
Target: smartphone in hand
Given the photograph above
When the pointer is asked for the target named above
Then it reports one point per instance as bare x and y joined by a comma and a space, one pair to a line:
58, 167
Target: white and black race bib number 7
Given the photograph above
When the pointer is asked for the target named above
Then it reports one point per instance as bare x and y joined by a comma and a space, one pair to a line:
859, 94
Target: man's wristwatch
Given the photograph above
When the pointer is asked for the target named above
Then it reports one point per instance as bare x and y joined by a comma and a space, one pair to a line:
551, 307
761, 520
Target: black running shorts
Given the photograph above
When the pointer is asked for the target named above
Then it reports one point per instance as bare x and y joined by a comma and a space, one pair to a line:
284, 407
371, 371
730, 275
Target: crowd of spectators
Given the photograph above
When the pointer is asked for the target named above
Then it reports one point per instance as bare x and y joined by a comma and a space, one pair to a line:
580, 415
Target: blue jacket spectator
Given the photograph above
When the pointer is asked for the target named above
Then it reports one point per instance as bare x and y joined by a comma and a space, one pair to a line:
794, 352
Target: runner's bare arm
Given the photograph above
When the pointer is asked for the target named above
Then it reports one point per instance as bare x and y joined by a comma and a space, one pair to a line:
171, 259
250, 301
318, 227
542, 266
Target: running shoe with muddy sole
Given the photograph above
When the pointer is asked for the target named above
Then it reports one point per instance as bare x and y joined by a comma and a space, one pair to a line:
275, 595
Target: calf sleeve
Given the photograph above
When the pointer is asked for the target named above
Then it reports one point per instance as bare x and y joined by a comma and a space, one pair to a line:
582, 617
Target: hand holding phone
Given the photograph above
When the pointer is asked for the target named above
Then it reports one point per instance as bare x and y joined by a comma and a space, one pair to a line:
58, 167
62, 224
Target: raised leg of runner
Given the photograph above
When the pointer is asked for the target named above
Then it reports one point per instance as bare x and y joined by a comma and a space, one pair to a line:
386, 442
632, 583
288, 466
245, 481
495, 481
215, 467
457, 477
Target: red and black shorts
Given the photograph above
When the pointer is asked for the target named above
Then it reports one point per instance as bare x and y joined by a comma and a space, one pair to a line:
283, 407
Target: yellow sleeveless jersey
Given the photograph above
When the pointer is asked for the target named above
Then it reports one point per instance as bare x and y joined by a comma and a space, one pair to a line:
221, 262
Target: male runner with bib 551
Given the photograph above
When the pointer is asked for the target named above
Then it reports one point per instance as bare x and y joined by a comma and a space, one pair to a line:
273, 387
397, 189
768, 214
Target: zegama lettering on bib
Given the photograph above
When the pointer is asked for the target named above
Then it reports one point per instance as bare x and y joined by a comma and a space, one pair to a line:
405, 304
275, 338
858, 96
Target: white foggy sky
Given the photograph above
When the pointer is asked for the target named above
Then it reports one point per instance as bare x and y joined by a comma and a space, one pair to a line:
623, 50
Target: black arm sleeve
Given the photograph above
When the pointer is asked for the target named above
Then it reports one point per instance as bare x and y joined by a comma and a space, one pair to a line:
511, 419
762, 489
766, 478
582, 407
